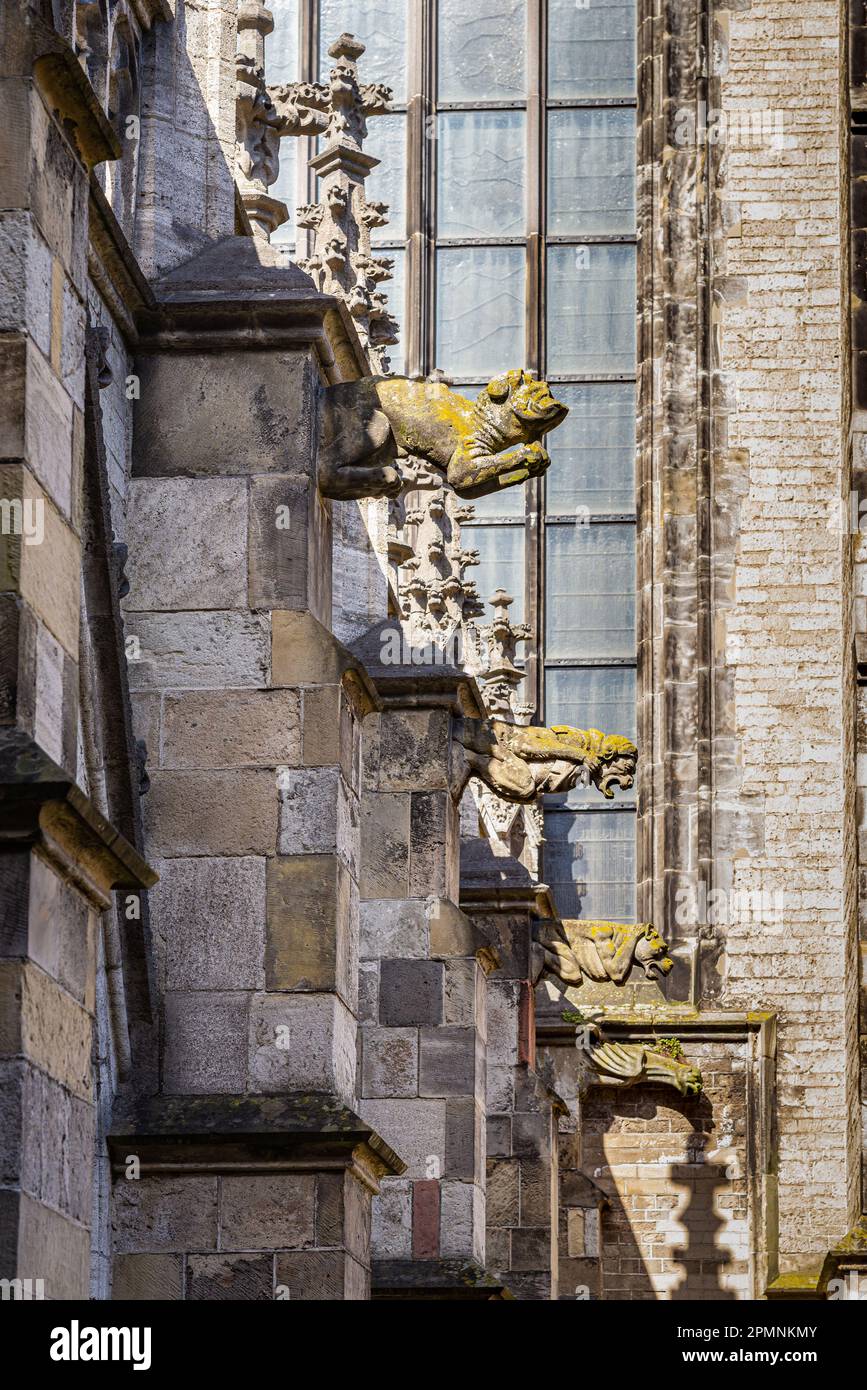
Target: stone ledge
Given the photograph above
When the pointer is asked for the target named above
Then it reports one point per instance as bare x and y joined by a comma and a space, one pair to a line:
39, 802
422, 1280
249, 1134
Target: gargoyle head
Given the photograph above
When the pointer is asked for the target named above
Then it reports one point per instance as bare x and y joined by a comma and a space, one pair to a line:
609, 759
651, 952
529, 402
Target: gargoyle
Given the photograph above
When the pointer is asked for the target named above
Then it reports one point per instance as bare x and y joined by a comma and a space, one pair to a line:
519, 762
576, 951
627, 1064
367, 424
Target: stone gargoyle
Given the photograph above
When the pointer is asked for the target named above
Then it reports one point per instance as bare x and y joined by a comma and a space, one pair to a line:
629, 1064
604, 952
520, 762
366, 425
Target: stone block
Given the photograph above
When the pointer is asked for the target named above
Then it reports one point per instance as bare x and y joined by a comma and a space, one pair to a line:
289, 546
324, 710
531, 1249
310, 908
232, 728
211, 813
460, 992
462, 1221
447, 1061
190, 548
501, 1193
391, 1235
504, 997
465, 1147
171, 1213
210, 914
60, 931
415, 1129
53, 1248
205, 1043
318, 814
385, 829
499, 1140
426, 1219
413, 751
319, 1276
238, 1278
258, 407
410, 992
44, 564
536, 1191
432, 826
368, 992
389, 1062
302, 1042
197, 650
529, 1134
148, 1278
303, 652
452, 932
259, 1212
393, 927
44, 1023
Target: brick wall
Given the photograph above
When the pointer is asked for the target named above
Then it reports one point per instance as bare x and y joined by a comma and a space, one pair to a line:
784, 810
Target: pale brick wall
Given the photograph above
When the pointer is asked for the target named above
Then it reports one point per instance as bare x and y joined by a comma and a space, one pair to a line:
783, 626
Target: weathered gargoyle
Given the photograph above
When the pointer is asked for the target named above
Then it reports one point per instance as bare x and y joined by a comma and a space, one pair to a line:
575, 951
365, 425
629, 1064
519, 762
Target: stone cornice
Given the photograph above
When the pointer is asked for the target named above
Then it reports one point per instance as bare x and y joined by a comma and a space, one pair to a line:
40, 805
113, 267
63, 86
250, 1134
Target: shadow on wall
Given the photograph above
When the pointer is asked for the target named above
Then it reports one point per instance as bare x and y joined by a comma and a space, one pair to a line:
662, 1235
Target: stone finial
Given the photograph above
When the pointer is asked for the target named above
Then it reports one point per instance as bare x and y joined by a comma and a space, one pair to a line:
257, 124
436, 597
342, 262
500, 677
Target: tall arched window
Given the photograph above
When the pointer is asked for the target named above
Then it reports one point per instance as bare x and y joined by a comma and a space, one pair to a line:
509, 165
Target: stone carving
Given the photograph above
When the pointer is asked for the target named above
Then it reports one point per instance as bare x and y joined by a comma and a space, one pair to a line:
498, 675
628, 1064
342, 262
520, 762
576, 951
258, 126
366, 424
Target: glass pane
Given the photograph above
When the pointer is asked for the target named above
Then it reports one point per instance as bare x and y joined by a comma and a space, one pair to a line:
590, 591
381, 27
591, 48
591, 296
591, 171
482, 50
589, 863
281, 45
285, 188
593, 451
592, 697
480, 310
394, 289
501, 565
386, 141
480, 174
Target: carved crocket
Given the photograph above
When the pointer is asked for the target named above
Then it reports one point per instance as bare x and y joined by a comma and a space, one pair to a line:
365, 425
520, 762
